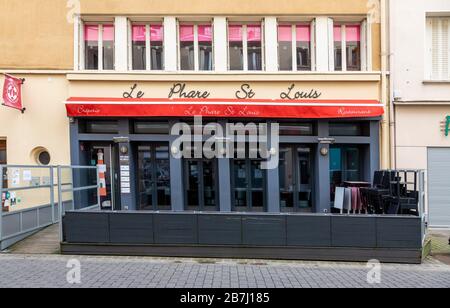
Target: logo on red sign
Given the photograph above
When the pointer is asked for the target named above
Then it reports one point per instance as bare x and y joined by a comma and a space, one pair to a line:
12, 92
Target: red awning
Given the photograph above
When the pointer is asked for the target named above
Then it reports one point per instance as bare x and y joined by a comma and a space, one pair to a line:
223, 108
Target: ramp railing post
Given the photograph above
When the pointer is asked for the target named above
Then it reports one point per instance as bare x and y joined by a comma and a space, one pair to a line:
1, 204
52, 193
60, 205
98, 188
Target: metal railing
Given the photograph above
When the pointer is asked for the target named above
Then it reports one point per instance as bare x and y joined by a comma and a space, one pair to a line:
76, 187
38, 211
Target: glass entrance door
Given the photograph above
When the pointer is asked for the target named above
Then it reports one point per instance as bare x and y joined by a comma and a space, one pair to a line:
295, 178
200, 182
105, 156
154, 177
248, 183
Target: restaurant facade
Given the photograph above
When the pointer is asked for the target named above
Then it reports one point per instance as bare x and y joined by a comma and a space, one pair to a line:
216, 131
112, 81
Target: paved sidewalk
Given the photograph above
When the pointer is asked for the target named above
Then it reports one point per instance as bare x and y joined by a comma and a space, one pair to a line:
126, 272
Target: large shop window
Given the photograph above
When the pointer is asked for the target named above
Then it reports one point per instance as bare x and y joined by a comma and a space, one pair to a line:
99, 47
154, 177
147, 47
245, 47
354, 129
438, 36
345, 165
196, 47
99, 127
295, 47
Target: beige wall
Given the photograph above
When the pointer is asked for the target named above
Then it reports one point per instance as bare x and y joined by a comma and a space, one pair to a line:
44, 123
417, 128
263, 90
35, 34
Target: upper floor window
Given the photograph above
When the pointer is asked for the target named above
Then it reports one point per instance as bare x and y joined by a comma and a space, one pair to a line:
347, 47
294, 47
99, 47
147, 47
439, 47
245, 48
196, 47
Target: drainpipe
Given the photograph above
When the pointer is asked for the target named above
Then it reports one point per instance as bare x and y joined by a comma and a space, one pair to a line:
392, 113
385, 124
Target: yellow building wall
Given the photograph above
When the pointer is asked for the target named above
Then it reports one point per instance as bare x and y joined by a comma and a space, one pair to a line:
44, 123
37, 34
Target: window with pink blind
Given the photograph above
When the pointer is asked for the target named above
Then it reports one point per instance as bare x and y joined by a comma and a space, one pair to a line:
294, 47
147, 47
347, 47
245, 47
196, 45
92, 42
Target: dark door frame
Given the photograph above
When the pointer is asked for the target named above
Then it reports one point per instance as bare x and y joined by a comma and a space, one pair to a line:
297, 173
249, 185
201, 183
154, 171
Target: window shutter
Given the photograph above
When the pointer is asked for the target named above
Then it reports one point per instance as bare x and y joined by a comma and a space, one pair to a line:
129, 44
364, 66
313, 44
330, 44
440, 40
81, 51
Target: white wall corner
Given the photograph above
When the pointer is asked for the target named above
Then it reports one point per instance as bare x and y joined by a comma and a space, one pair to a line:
322, 44
271, 44
170, 44
121, 43
220, 44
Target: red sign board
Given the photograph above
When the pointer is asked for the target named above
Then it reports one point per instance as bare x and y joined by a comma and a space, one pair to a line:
12, 92
222, 108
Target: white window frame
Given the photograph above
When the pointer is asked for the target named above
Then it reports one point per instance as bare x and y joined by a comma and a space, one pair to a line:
366, 63
196, 45
244, 26
82, 45
440, 75
312, 44
148, 45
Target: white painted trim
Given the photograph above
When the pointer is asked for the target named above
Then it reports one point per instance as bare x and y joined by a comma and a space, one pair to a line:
130, 45
364, 46
245, 48
148, 46
100, 47
369, 46
76, 43
196, 49
344, 47
271, 44
312, 45
121, 43
170, 44
448, 59
294, 48
220, 44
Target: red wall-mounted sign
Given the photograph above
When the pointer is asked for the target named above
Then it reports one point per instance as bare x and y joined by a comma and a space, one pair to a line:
222, 108
12, 92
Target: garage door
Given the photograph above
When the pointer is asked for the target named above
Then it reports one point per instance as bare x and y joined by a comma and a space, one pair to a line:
439, 186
